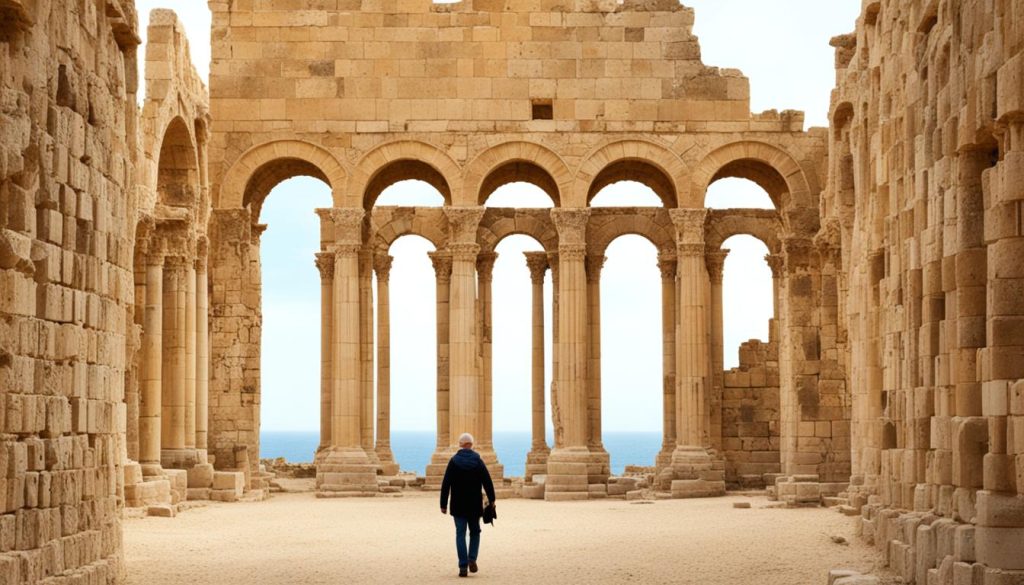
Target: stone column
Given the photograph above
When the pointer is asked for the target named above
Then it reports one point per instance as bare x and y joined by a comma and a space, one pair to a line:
173, 393
151, 399
346, 468
600, 463
715, 262
667, 265
537, 458
325, 265
382, 266
202, 350
776, 263
568, 462
553, 396
464, 397
485, 273
366, 336
692, 465
190, 356
442, 261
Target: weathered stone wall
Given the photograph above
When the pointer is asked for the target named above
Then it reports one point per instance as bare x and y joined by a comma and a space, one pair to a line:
67, 215
925, 195
750, 416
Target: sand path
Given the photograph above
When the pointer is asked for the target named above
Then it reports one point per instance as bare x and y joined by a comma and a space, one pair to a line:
298, 539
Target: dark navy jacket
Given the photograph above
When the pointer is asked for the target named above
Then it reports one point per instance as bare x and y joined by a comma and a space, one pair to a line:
465, 477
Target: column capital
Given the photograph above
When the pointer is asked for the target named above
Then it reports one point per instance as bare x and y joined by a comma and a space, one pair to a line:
777, 263
382, 266
485, 265
572, 252
174, 262
571, 225
594, 264
325, 264
442, 261
538, 264
715, 262
463, 223
667, 263
464, 251
689, 223
346, 250
346, 223
797, 253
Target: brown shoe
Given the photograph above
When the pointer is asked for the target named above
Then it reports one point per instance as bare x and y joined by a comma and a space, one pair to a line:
472, 567
462, 572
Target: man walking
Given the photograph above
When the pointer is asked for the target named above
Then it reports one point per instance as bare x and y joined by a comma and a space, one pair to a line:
465, 476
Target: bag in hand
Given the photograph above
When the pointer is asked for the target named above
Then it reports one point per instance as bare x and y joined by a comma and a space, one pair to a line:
490, 512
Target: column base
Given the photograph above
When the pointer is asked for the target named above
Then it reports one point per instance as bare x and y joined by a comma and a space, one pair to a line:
663, 467
695, 474
388, 465
344, 472
537, 462
599, 468
494, 467
437, 466
181, 458
568, 474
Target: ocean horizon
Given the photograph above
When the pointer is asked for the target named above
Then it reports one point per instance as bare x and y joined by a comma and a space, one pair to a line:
413, 449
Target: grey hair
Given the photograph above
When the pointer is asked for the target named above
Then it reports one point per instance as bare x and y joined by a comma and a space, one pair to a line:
465, 439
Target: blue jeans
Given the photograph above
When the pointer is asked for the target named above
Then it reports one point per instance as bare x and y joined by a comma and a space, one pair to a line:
461, 523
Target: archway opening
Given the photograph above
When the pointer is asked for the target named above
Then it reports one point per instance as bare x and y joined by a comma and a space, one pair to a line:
412, 311
290, 356
512, 331
631, 353
632, 183
519, 184
177, 167
747, 296
737, 193
407, 183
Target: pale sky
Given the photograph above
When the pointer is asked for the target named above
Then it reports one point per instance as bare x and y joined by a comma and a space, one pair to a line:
781, 45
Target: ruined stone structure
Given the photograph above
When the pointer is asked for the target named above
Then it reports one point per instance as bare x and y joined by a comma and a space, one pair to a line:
130, 301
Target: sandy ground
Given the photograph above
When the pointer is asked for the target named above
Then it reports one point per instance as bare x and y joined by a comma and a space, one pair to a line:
298, 539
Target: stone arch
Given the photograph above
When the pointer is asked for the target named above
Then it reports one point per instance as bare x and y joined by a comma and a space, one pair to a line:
429, 224
765, 225
261, 168
629, 160
499, 224
520, 161
177, 169
399, 161
655, 226
772, 168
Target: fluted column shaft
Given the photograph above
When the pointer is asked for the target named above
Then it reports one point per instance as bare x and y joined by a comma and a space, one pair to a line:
151, 400
691, 338
465, 415
555, 350
715, 262
325, 265
173, 395
190, 356
202, 352
573, 327
382, 266
442, 262
366, 340
594, 264
538, 265
485, 274
667, 265
346, 399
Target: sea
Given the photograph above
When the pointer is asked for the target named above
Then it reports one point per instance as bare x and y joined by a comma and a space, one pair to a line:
412, 449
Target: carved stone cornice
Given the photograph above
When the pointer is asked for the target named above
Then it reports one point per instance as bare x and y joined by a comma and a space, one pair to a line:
668, 264
325, 264
538, 264
777, 263
442, 261
688, 250
572, 252
571, 225
594, 265
382, 266
346, 250
463, 223
715, 262
689, 224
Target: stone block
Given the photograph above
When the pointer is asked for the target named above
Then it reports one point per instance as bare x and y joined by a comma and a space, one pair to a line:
229, 480
201, 476
164, 511
194, 494
999, 547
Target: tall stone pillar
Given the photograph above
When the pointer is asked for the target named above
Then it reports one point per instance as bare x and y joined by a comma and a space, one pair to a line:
382, 266
190, 356
568, 463
442, 261
715, 262
175, 363
366, 337
537, 458
202, 350
346, 468
485, 273
151, 399
667, 265
325, 265
553, 396
600, 463
694, 471
464, 396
